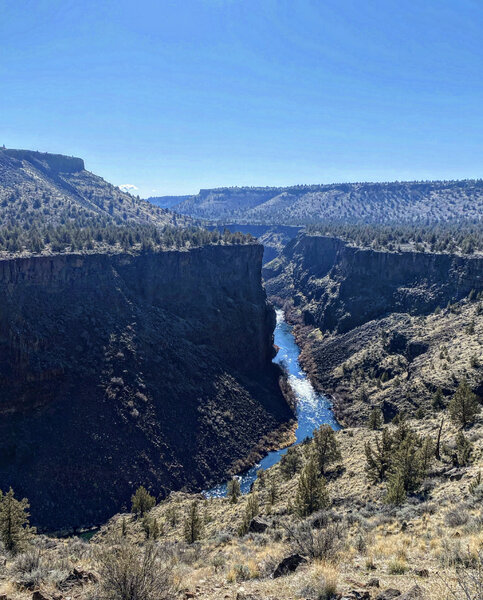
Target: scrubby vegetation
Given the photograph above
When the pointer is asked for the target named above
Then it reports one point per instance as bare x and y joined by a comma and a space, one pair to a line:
417, 527
461, 236
410, 202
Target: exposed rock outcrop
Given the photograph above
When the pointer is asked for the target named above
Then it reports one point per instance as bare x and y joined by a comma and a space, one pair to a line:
341, 287
123, 370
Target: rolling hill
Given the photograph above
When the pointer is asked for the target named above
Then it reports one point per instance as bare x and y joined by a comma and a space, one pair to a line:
402, 202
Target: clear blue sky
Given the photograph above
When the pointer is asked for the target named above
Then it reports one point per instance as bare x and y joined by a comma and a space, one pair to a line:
171, 96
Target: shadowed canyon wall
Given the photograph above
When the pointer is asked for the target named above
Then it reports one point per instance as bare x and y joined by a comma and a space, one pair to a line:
121, 370
339, 286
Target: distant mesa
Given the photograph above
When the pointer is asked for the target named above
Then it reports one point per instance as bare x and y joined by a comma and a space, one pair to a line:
55, 162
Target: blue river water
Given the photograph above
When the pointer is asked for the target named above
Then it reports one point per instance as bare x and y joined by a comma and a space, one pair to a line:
313, 409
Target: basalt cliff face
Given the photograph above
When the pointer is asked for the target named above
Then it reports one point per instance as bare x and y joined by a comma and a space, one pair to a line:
122, 370
368, 328
339, 287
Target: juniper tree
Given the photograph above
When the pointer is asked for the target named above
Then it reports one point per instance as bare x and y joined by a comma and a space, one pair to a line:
464, 406
325, 446
151, 527
426, 454
378, 459
290, 463
312, 493
272, 492
142, 501
172, 516
251, 511
375, 420
15, 530
396, 494
407, 465
233, 490
403, 430
193, 525
464, 448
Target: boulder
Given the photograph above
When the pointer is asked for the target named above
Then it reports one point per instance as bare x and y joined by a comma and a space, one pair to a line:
415, 593
289, 564
389, 594
374, 582
258, 525
455, 474
422, 572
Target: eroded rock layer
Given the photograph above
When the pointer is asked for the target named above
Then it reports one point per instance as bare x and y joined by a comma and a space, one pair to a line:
122, 370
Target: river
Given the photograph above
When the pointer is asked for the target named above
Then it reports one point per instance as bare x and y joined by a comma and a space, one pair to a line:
313, 409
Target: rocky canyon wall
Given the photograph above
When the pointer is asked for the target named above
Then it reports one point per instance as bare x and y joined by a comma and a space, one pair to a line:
341, 287
122, 370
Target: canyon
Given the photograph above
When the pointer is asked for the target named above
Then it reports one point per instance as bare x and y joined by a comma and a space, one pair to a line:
125, 368
340, 286
379, 329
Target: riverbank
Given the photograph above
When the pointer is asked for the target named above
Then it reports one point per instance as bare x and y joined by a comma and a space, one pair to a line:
312, 408
396, 363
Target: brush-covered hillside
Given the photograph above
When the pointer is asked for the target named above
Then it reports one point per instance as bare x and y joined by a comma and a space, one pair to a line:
377, 512
50, 203
394, 202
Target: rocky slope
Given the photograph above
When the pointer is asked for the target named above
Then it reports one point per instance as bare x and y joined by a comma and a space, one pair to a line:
398, 364
39, 188
429, 201
381, 329
121, 370
339, 286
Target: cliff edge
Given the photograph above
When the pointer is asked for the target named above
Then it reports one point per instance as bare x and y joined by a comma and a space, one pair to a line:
339, 286
122, 370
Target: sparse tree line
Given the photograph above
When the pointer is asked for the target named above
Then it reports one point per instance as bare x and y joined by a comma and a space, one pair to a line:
102, 237
465, 237
403, 459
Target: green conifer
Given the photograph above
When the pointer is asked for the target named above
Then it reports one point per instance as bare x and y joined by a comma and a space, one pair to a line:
142, 501
325, 446
233, 490
14, 522
464, 406
312, 493
193, 525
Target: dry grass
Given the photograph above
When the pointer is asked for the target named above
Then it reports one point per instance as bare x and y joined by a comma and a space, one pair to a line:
373, 540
